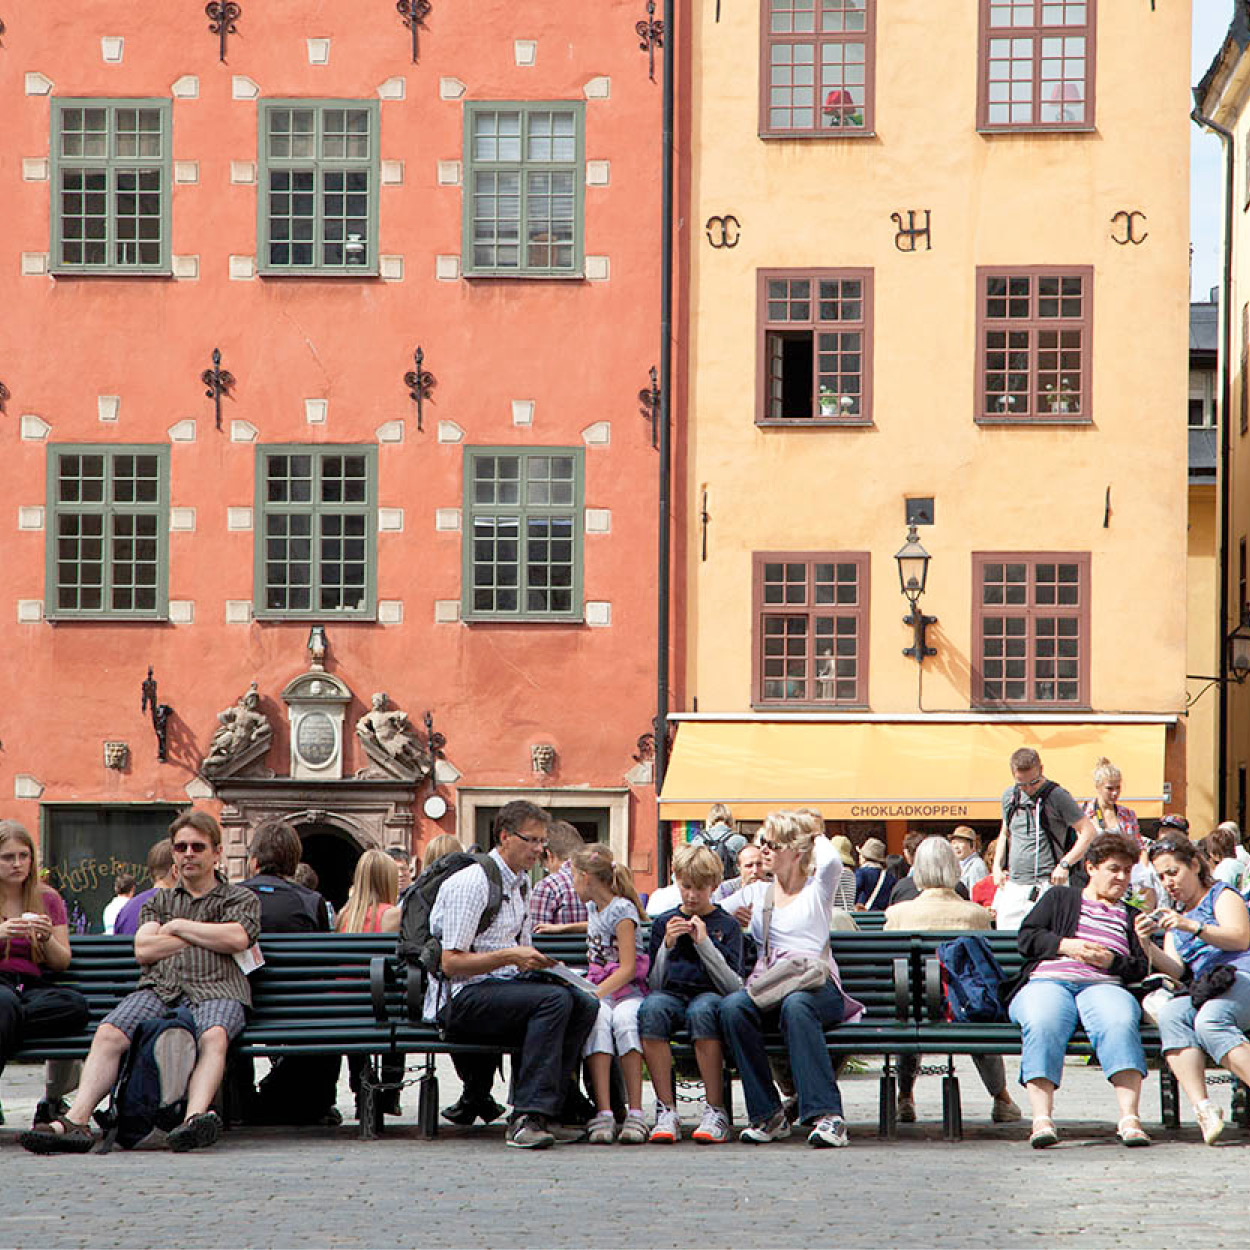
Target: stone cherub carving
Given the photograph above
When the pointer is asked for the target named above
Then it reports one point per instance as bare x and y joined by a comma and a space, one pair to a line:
390, 741
244, 735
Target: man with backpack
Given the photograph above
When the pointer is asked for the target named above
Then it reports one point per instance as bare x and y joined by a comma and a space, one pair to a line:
187, 940
718, 833
1043, 839
491, 987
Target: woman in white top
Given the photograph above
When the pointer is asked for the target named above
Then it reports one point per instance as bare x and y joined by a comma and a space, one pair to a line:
805, 870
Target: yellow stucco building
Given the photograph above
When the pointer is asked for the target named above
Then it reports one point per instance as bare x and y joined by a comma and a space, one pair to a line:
937, 274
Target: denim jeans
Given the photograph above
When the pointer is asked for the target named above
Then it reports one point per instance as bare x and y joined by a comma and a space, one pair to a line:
1047, 1012
1217, 1026
803, 1016
663, 1013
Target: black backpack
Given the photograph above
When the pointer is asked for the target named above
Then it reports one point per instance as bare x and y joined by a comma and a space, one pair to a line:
418, 951
1060, 843
151, 1089
720, 845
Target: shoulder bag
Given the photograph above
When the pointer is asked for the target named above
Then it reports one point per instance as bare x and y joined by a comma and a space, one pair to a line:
770, 983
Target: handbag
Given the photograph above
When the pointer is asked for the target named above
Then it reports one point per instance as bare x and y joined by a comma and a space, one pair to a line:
1212, 984
770, 983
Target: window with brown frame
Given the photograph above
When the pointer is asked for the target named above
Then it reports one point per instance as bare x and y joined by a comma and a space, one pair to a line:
811, 628
1030, 629
815, 347
1033, 327
816, 76
1037, 65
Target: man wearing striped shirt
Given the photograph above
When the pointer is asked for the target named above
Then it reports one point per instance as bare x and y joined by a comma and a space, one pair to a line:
187, 940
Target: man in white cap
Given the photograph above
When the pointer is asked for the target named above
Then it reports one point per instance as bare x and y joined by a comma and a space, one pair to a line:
967, 846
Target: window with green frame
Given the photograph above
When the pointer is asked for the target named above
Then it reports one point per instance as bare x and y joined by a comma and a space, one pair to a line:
316, 531
108, 531
318, 186
524, 187
523, 534
111, 173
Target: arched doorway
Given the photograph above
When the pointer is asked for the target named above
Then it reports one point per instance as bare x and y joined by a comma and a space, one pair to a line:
332, 855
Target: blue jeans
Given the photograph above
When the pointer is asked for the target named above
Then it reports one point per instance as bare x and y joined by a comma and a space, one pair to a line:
1217, 1026
1047, 1012
663, 1013
804, 1016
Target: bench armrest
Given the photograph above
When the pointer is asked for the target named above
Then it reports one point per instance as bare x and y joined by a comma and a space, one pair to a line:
380, 976
902, 988
935, 1000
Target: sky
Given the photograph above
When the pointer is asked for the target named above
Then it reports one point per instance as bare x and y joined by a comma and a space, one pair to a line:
1206, 161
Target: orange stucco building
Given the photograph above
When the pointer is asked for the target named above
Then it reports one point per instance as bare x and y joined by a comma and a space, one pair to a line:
316, 206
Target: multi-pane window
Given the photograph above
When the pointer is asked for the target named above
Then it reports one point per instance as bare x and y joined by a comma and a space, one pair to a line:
1037, 64
811, 628
815, 346
1031, 621
108, 521
111, 164
316, 530
319, 177
1034, 327
523, 190
522, 534
817, 76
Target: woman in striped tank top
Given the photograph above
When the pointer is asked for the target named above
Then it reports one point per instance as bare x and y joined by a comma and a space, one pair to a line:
1081, 950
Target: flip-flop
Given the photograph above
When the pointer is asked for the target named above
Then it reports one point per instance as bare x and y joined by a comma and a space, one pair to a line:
73, 1139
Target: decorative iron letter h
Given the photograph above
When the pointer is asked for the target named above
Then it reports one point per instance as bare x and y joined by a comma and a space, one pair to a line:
419, 381
218, 381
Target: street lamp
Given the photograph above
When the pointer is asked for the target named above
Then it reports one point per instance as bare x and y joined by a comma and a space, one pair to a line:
317, 647
1238, 643
913, 573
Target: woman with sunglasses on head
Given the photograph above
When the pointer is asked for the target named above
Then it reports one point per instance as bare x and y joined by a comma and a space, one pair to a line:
34, 941
790, 916
1207, 941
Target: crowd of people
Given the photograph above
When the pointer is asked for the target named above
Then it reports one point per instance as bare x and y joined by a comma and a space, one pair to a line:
1098, 904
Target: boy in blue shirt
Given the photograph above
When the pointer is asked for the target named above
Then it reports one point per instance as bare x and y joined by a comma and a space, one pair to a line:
696, 959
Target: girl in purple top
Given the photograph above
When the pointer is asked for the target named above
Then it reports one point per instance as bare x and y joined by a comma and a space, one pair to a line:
34, 940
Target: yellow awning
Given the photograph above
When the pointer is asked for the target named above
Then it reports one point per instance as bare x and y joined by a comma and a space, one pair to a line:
896, 771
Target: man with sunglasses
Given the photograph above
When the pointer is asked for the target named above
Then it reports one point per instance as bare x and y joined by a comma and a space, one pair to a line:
498, 996
186, 944
1031, 855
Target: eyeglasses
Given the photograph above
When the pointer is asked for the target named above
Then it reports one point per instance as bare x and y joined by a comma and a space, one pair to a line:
1031, 785
533, 841
190, 848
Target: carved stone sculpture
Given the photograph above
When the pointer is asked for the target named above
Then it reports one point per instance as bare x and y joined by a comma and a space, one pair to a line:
244, 736
391, 743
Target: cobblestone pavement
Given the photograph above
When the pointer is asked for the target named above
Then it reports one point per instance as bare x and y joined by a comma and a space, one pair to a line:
320, 1187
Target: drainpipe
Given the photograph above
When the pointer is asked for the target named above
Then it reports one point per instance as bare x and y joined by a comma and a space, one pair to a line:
1226, 445
663, 845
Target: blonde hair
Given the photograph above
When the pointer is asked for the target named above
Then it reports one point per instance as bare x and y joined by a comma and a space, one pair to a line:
444, 844
33, 890
698, 866
812, 819
1105, 772
597, 863
718, 814
375, 884
791, 830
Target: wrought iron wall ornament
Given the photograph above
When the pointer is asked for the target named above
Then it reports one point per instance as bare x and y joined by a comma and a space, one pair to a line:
723, 231
649, 403
650, 37
1, 26
219, 381
419, 381
1130, 217
161, 712
414, 13
704, 517
222, 15
906, 237
5, 396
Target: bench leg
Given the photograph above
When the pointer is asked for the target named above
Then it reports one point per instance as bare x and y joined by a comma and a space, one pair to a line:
1169, 1097
952, 1109
887, 1102
1241, 1106
368, 1102
427, 1100
727, 1093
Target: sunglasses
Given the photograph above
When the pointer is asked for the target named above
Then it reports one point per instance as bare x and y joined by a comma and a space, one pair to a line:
773, 846
191, 848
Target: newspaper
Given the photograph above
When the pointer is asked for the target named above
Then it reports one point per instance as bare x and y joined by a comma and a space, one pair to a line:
562, 972
250, 959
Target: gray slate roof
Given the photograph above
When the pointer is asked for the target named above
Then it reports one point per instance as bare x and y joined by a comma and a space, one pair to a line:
1235, 42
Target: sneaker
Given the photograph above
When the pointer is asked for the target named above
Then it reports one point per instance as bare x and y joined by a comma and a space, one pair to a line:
828, 1132
1005, 1111
466, 1110
603, 1129
713, 1128
633, 1131
197, 1132
775, 1128
906, 1109
528, 1132
667, 1124
566, 1133
1210, 1121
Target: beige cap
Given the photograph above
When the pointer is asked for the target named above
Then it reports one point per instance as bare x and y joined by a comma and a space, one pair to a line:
846, 850
873, 851
965, 834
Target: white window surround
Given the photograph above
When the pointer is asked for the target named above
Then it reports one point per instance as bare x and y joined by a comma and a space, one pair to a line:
615, 800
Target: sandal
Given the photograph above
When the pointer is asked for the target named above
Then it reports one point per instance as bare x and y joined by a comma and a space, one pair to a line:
1131, 1133
45, 1139
1044, 1133
193, 1134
